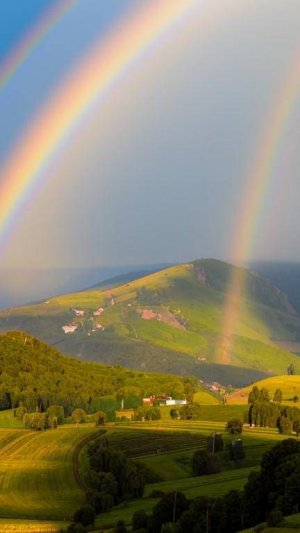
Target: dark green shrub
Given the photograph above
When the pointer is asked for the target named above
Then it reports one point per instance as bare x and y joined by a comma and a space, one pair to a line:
85, 515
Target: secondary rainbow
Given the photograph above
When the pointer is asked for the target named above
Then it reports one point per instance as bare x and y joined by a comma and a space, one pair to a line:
89, 84
22, 50
248, 215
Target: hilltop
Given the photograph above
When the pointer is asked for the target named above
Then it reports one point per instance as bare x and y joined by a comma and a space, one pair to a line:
170, 321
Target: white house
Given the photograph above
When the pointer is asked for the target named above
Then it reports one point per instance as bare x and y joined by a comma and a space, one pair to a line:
69, 328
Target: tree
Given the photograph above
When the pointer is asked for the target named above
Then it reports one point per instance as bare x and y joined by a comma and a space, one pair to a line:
168, 509
275, 518
58, 411
236, 450
285, 425
234, 426
277, 396
120, 527
253, 395
139, 520
85, 515
204, 463
174, 414
99, 418
215, 443
296, 427
78, 415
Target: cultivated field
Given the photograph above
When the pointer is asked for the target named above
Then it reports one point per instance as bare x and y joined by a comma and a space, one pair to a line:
38, 473
40, 487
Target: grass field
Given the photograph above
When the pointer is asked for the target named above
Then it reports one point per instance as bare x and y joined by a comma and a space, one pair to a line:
7, 420
37, 476
31, 526
39, 486
289, 385
173, 466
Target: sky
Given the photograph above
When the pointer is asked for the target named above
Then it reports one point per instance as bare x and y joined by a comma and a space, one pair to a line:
159, 168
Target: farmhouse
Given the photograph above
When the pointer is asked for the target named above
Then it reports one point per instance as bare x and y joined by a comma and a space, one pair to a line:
69, 328
78, 312
164, 400
98, 311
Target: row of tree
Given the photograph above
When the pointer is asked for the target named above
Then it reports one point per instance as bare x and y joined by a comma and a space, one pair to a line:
270, 413
268, 495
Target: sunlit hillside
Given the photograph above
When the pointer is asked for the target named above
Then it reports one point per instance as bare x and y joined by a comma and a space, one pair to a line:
289, 386
170, 320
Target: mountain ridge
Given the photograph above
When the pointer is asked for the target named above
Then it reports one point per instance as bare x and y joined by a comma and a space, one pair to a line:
170, 319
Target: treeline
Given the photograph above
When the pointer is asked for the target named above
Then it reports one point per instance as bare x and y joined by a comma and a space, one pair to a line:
35, 376
267, 412
110, 476
268, 495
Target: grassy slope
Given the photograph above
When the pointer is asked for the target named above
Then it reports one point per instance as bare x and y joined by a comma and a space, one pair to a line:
289, 385
36, 473
26, 364
174, 467
194, 293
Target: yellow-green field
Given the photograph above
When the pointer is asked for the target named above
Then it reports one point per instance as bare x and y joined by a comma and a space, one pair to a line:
289, 385
37, 474
31, 526
40, 489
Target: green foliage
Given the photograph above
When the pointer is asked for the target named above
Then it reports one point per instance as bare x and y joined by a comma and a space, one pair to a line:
236, 450
85, 515
78, 415
56, 411
168, 509
277, 396
112, 475
215, 443
234, 426
147, 413
139, 520
39, 421
35, 376
120, 527
277, 485
204, 463
275, 518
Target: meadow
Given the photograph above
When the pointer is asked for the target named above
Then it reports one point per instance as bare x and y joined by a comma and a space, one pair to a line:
38, 476
40, 471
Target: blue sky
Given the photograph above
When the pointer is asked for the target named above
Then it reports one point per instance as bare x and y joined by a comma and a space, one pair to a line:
158, 173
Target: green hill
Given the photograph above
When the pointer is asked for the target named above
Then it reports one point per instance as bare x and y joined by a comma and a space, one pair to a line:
35, 374
289, 386
171, 321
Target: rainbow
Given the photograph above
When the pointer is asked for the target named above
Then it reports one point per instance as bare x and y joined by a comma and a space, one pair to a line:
22, 50
248, 215
88, 85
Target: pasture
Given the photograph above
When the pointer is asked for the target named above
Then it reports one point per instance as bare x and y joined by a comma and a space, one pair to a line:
38, 473
40, 486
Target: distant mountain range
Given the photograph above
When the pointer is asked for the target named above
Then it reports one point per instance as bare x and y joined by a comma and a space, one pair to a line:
170, 321
286, 276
